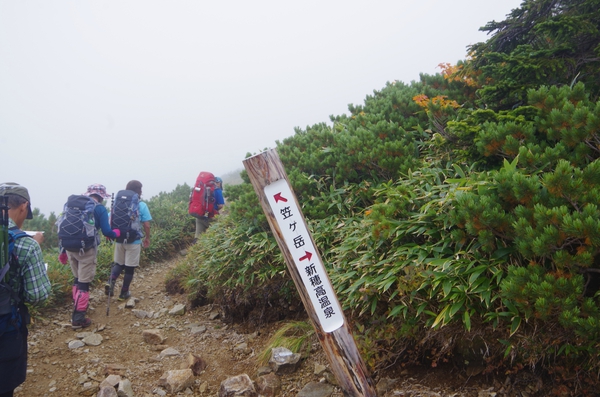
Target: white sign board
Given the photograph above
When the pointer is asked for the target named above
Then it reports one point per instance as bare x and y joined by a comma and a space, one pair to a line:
299, 243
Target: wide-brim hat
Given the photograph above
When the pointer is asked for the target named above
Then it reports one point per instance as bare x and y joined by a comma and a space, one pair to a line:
97, 189
15, 188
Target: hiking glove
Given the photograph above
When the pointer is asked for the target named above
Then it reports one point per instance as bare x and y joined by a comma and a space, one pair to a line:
63, 258
117, 232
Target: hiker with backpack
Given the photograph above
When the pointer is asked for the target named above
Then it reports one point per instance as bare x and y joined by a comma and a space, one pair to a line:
83, 215
23, 279
206, 200
132, 217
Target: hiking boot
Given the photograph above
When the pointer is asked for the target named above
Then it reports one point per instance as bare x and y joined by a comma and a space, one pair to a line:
124, 295
80, 321
109, 288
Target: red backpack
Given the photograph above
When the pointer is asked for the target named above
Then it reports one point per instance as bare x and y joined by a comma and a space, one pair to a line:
202, 199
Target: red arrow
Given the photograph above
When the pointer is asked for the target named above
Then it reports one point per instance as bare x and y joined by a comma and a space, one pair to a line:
278, 198
307, 256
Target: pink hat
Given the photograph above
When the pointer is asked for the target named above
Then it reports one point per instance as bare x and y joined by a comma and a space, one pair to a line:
97, 189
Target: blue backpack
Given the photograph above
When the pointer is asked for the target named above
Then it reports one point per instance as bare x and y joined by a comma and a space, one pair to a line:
77, 224
10, 318
125, 216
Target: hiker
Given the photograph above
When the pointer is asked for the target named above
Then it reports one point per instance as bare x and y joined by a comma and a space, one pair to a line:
83, 260
205, 210
29, 281
132, 217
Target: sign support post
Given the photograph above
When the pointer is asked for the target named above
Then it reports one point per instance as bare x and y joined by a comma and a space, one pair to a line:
305, 265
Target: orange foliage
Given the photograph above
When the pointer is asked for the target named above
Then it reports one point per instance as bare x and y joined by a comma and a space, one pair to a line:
457, 73
493, 147
440, 101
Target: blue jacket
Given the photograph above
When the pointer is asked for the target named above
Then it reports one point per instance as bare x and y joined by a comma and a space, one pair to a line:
102, 221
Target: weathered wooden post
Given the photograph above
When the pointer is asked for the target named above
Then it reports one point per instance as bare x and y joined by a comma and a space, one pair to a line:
306, 267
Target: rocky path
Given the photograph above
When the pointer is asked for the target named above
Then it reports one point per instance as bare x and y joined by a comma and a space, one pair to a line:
151, 336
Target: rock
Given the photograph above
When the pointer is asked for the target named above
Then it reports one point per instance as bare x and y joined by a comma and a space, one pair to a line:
169, 351
240, 385
198, 330
111, 380
263, 371
93, 339
107, 391
114, 369
268, 385
177, 380
243, 347
130, 303
283, 361
140, 313
177, 310
319, 369
125, 389
316, 389
89, 389
153, 337
159, 392
196, 363
214, 314
76, 344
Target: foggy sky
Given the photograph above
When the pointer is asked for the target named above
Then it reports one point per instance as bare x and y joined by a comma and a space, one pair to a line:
109, 91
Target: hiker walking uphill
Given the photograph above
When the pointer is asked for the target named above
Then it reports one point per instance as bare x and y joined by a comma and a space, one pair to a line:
206, 200
23, 279
78, 238
132, 217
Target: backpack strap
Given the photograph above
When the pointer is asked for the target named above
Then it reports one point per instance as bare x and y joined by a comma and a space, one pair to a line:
19, 312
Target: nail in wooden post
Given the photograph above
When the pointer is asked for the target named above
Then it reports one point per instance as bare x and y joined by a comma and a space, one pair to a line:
304, 263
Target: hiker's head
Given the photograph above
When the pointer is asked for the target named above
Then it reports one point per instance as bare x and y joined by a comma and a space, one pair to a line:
19, 203
219, 181
97, 191
136, 186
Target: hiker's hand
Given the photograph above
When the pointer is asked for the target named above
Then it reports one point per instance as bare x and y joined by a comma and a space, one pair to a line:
146, 242
117, 233
39, 237
63, 258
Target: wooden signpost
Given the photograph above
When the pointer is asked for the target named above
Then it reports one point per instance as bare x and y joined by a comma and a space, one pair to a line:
305, 265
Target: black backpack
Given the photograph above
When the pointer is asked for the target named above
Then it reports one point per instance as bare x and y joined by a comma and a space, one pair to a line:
125, 216
10, 319
77, 224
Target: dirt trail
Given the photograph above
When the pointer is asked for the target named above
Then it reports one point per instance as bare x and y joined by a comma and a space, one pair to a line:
55, 369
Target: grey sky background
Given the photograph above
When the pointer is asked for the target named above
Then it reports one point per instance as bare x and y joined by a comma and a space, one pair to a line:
109, 91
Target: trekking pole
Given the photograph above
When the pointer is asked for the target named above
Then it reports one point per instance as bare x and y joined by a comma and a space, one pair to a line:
108, 297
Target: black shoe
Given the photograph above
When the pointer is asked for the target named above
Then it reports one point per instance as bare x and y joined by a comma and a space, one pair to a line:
80, 321
109, 288
124, 295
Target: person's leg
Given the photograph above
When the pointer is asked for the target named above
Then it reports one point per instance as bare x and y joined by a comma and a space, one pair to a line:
82, 302
115, 272
74, 263
117, 268
198, 229
86, 273
201, 226
127, 279
132, 260
13, 360
74, 289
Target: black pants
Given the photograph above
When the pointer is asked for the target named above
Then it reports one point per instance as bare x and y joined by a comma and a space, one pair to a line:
13, 360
